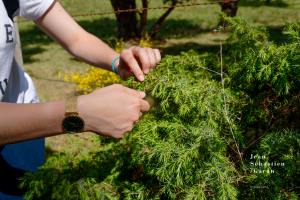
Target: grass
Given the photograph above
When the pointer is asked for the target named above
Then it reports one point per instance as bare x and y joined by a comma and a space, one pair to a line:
186, 28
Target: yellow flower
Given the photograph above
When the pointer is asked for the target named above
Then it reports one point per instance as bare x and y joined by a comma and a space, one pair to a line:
93, 76
66, 78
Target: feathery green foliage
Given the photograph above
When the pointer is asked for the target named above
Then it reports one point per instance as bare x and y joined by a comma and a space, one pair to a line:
186, 149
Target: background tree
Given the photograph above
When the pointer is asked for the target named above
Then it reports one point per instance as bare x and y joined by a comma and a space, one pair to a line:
267, 2
129, 26
128, 23
230, 8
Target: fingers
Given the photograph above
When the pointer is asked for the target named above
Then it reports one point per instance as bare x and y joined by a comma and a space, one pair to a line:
152, 59
157, 56
144, 106
143, 57
140, 60
139, 94
148, 57
143, 94
132, 91
128, 58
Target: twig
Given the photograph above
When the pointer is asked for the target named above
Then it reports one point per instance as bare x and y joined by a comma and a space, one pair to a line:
229, 145
235, 116
226, 115
207, 69
261, 136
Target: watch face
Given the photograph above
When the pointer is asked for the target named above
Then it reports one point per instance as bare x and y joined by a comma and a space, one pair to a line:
73, 124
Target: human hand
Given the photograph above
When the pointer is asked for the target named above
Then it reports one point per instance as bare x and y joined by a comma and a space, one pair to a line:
111, 111
137, 60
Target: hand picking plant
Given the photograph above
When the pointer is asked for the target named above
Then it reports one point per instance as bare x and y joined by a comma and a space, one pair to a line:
197, 145
95, 78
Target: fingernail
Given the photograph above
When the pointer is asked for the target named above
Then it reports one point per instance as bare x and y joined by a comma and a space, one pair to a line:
151, 70
146, 71
141, 78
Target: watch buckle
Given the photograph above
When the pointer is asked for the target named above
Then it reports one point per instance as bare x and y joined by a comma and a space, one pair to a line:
71, 113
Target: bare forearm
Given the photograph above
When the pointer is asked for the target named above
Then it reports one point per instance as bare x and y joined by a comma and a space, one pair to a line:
93, 51
23, 122
58, 24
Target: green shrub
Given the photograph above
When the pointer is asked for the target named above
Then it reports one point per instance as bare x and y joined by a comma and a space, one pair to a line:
193, 146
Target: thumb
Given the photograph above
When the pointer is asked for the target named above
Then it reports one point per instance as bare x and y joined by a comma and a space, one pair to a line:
142, 94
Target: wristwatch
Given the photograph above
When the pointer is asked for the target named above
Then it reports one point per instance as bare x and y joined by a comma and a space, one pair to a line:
72, 123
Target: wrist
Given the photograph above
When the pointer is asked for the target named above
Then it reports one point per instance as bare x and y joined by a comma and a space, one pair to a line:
54, 113
115, 64
81, 107
73, 122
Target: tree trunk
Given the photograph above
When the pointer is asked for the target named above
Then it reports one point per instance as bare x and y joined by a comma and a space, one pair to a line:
127, 21
267, 2
128, 26
230, 8
143, 16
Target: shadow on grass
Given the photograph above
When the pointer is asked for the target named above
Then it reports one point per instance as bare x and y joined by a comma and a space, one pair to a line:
34, 40
177, 49
31, 43
276, 35
178, 29
29, 51
258, 3
104, 28
48, 152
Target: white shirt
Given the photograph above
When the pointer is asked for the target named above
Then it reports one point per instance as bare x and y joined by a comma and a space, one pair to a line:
15, 85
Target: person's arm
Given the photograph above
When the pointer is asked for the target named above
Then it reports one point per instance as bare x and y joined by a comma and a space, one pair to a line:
110, 111
22, 122
60, 26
